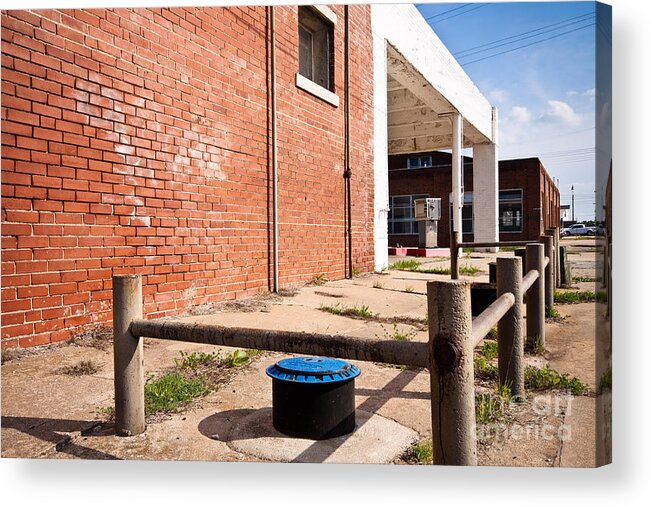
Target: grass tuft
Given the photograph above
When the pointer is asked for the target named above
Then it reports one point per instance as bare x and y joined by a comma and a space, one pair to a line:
171, 392
489, 407
535, 346
489, 350
397, 335
420, 453
361, 311
237, 358
484, 370
415, 266
541, 379
196, 359
378, 285
580, 296
318, 279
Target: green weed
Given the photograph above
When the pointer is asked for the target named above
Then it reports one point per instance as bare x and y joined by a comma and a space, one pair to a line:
195, 359
318, 279
484, 370
405, 265
489, 350
236, 358
576, 296
170, 392
489, 407
422, 452
540, 379
362, 311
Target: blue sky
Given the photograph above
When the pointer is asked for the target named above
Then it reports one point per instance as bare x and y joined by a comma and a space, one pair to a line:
543, 83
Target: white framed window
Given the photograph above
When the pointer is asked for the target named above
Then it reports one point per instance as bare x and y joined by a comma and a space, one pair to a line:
316, 52
510, 210
401, 214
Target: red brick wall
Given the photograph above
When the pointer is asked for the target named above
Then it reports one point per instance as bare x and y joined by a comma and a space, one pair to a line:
137, 141
526, 174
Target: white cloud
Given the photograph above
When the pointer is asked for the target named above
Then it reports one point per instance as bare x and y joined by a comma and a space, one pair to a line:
590, 93
497, 95
520, 114
562, 111
572, 93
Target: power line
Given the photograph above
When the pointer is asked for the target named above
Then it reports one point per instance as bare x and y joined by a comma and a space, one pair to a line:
445, 12
528, 45
523, 36
460, 13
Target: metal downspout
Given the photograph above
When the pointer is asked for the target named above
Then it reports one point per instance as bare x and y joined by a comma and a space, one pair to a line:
347, 173
274, 150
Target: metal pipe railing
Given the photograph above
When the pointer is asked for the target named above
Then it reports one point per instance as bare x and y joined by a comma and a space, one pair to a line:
529, 279
486, 320
448, 355
330, 345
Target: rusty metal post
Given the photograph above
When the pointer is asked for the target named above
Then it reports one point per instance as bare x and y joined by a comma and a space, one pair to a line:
548, 243
128, 356
454, 440
536, 296
510, 342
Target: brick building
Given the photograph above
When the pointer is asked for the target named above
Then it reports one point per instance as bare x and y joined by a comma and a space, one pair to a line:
153, 141
529, 202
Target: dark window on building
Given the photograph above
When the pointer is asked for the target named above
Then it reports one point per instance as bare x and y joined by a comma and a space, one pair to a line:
510, 217
401, 214
419, 162
315, 47
466, 213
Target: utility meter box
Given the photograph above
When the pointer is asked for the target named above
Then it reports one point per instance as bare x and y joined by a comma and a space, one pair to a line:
427, 209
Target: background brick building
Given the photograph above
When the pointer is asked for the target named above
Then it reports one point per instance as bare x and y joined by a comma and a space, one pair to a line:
529, 202
138, 140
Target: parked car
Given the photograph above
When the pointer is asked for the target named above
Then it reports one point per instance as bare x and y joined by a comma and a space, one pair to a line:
579, 230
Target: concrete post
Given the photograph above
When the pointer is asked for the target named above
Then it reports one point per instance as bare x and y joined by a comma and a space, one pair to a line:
510, 342
552, 232
451, 373
536, 296
485, 174
548, 243
557, 257
128, 356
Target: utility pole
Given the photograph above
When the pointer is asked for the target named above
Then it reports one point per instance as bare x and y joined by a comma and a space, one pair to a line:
573, 203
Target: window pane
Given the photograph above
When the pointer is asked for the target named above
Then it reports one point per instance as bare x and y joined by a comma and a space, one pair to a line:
401, 214
510, 195
402, 200
305, 52
315, 47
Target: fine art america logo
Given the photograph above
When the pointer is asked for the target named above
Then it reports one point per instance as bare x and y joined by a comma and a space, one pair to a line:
550, 412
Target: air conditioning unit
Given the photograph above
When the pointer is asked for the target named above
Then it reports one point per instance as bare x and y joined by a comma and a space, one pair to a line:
427, 209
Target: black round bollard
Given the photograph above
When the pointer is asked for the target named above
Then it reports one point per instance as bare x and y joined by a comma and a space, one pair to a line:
313, 397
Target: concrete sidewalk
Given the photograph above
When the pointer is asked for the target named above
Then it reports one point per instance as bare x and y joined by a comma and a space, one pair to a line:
46, 413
